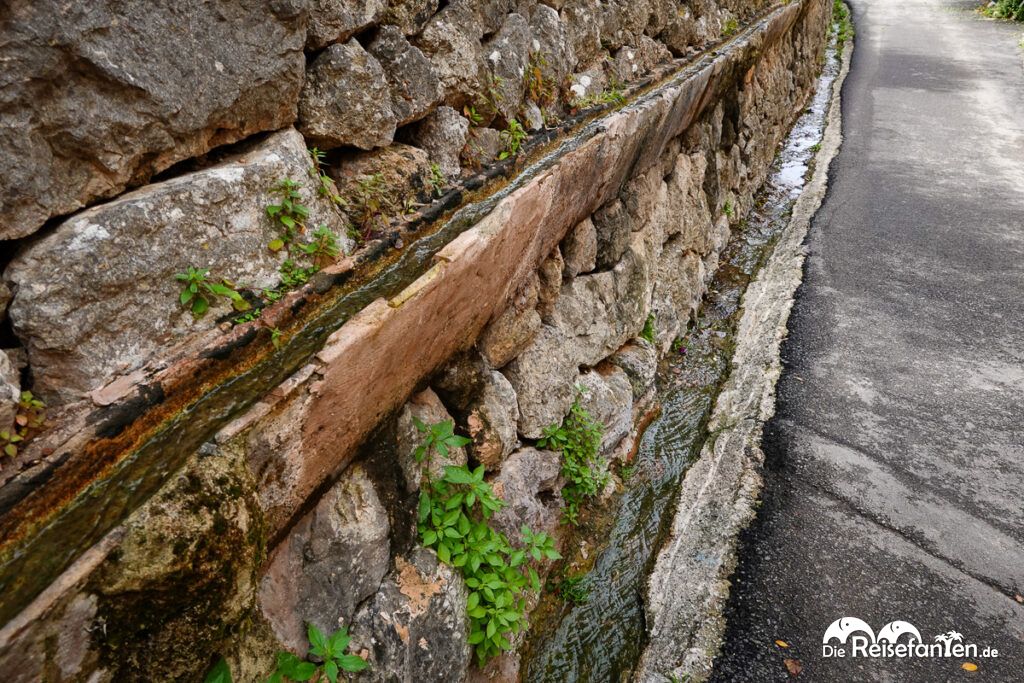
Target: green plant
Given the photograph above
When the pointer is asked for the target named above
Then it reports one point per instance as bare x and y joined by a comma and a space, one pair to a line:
842, 26
198, 289
324, 247
611, 95
248, 316
728, 209
294, 275
440, 437
1005, 9
325, 186
679, 345
578, 437
330, 650
574, 589
290, 214
437, 181
453, 519
626, 472
220, 673
29, 419
730, 27
648, 332
816, 147
512, 139
275, 337
470, 113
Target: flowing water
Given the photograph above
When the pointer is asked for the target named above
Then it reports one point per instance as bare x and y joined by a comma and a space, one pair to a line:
602, 639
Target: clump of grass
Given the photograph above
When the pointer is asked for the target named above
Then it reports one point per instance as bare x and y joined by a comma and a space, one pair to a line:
1005, 9
841, 24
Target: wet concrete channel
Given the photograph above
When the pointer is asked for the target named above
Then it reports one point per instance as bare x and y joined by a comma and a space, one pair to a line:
602, 638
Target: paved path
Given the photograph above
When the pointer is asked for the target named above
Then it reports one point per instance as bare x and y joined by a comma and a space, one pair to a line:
894, 486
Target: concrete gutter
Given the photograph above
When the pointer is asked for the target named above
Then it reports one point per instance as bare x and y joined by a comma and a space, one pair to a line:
689, 587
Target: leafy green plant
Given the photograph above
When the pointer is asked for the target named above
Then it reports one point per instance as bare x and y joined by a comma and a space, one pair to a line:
325, 186
440, 437
330, 650
275, 337
611, 95
294, 275
679, 345
471, 113
220, 673
289, 214
512, 139
436, 181
730, 27
727, 208
842, 25
574, 589
578, 437
324, 247
198, 290
648, 332
453, 519
29, 419
248, 316
626, 472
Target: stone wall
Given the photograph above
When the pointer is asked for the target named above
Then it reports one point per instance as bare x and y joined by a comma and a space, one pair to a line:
299, 505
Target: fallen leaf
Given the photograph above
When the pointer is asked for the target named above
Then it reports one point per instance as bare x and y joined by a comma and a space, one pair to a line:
1019, 598
781, 643
969, 666
793, 666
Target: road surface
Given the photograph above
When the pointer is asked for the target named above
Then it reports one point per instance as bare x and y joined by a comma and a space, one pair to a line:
894, 482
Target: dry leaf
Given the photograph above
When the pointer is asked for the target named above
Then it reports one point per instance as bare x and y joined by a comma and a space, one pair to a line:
781, 643
793, 666
1019, 598
969, 666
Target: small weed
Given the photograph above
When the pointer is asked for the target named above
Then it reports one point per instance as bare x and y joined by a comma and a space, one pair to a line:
325, 186
440, 437
815, 148
730, 27
1004, 9
728, 208
470, 113
275, 337
248, 316
626, 472
454, 514
324, 247
294, 275
220, 673
198, 290
538, 88
330, 650
289, 214
612, 95
29, 420
578, 438
574, 589
512, 138
648, 332
679, 346
437, 181
842, 26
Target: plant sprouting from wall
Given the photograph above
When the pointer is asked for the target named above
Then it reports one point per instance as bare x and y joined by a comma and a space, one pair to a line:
439, 437
289, 214
512, 139
198, 290
325, 186
29, 420
324, 247
730, 27
539, 89
579, 440
370, 206
649, 332
454, 514
329, 651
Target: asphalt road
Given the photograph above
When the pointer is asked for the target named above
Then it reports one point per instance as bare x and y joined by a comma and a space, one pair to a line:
894, 483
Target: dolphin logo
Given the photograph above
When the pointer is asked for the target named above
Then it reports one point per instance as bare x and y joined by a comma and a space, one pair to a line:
842, 628
892, 631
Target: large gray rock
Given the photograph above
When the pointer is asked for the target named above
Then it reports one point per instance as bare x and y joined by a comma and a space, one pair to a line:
333, 20
592, 317
530, 483
451, 39
333, 559
346, 100
426, 407
639, 360
579, 249
582, 19
415, 88
514, 328
507, 55
443, 135
492, 421
415, 628
112, 305
101, 95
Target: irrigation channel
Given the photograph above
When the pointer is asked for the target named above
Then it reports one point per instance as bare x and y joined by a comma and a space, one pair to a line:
601, 633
